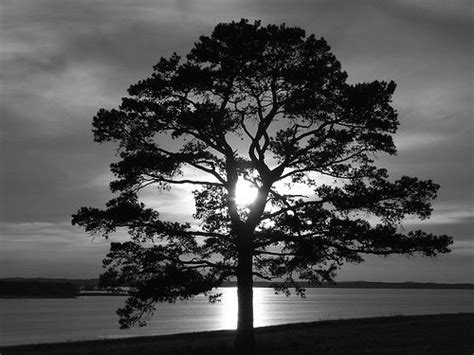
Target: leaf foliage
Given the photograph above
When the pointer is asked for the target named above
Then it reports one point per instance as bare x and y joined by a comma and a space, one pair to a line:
269, 105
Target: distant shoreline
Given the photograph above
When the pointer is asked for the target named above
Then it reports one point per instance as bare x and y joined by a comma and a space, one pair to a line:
423, 334
90, 285
36, 289
17, 288
370, 284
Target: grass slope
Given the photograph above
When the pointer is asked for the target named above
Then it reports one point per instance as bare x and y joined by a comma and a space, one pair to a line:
431, 334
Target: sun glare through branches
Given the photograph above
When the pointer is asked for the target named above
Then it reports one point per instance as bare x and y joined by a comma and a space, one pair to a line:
245, 193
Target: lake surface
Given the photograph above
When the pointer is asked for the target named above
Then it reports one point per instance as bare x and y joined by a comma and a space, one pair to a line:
24, 321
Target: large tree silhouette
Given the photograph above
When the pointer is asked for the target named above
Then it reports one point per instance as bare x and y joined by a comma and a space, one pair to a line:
268, 105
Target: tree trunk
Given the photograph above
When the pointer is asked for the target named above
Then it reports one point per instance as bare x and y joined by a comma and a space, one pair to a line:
245, 339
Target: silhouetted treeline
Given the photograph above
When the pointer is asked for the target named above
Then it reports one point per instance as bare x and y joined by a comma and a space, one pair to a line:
369, 284
85, 285
395, 285
29, 288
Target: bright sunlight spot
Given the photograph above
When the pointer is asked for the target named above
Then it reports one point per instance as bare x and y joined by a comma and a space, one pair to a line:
229, 310
263, 311
245, 193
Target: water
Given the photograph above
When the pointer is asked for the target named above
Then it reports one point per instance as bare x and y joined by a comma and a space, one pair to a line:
24, 321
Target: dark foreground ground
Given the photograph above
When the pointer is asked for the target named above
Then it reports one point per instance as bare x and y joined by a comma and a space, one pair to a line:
433, 334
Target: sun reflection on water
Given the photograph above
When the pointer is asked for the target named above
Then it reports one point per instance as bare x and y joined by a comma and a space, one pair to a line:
229, 307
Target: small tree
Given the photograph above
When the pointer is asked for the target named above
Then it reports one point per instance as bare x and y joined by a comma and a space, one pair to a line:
269, 106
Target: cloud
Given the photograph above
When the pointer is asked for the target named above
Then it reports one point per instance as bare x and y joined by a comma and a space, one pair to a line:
412, 141
63, 60
36, 249
463, 247
176, 204
457, 224
450, 268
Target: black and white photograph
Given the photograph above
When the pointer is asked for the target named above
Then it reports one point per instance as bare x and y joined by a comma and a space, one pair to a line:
242, 177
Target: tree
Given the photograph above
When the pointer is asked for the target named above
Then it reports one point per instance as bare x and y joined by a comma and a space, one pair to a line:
269, 106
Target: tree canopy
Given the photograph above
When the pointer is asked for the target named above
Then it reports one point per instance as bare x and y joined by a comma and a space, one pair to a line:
270, 106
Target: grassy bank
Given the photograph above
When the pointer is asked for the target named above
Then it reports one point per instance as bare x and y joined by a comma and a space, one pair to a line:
432, 334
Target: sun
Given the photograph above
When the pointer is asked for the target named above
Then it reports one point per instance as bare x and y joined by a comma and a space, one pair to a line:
245, 193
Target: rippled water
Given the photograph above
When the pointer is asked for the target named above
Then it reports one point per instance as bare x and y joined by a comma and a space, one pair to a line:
25, 321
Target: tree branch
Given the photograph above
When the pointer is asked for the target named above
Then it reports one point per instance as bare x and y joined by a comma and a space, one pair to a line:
192, 182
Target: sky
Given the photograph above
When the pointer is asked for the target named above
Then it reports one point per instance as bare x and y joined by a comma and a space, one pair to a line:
61, 61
